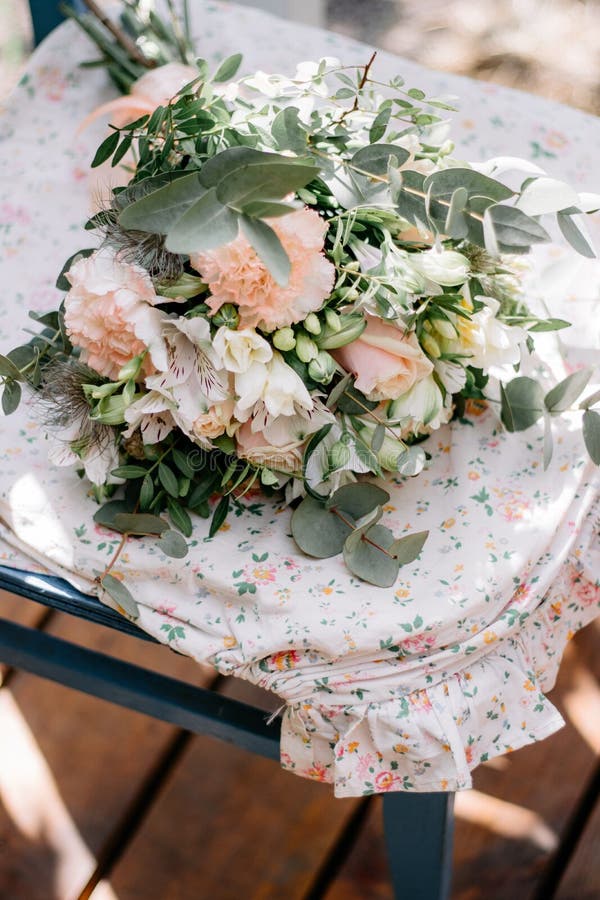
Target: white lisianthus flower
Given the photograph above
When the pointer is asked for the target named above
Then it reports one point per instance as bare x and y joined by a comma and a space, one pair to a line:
239, 349
270, 389
422, 409
444, 267
487, 341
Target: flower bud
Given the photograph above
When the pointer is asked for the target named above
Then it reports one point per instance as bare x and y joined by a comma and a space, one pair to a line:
186, 287
284, 339
351, 326
306, 349
332, 319
430, 346
322, 368
312, 324
110, 410
445, 328
227, 315
339, 455
98, 391
131, 369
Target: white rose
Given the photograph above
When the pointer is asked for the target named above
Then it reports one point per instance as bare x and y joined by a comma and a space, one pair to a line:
274, 384
420, 410
444, 267
239, 349
487, 341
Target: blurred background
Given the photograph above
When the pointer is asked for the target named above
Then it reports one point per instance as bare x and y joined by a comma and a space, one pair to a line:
550, 48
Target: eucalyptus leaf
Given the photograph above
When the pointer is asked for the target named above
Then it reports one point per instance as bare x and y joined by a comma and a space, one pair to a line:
205, 225
354, 403
160, 210
378, 437
8, 369
11, 397
271, 179
173, 544
380, 124
411, 461
288, 132
566, 392
573, 234
368, 562
548, 441
442, 185
522, 403
121, 595
228, 68
591, 434
514, 229
108, 512
139, 523
358, 499
590, 401
268, 246
406, 549
318, 531
376, 158
338, 390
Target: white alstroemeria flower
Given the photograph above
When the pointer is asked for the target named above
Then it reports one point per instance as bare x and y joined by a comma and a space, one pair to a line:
452, 375
186, 356
272, 389
443, 267
98, 460
487, 341
152, 414
422, 409
237, 350
297, 427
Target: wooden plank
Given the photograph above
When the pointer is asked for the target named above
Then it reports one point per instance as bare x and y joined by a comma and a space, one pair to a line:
507, 827
230, 825
70, 765
582, 878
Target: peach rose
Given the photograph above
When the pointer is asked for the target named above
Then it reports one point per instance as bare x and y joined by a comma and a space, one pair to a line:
109, 312
255, 447
385, 360
214, 421
236, 274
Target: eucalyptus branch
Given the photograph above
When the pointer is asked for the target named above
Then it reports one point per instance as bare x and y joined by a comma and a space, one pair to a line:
363, 537
361, 84
121, 38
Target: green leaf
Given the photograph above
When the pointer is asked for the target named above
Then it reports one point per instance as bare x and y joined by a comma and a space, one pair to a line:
228, 161
180, 517
9, 370
146, 492
380, 124
548, 440
358, 499
206, 225
442, 185
376, 158
268, 180
182, 462
369, 562
122, 150
310, 448
549, 325
168, 479
108, 512
574, 236
406, 549
129, 472
591, 434
514, 230
456, 223
590, 401
228, 68
106, 149
318, 531
61, 282
121, 595
268, 246
11, 397
522, 403
354, 403
338, 390
160, 210
378, 438
566, 392
268, 209
219, 515
139, 523
173, 544
288, 132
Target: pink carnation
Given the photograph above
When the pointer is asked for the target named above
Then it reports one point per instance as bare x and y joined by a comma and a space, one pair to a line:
108, 311
236, 274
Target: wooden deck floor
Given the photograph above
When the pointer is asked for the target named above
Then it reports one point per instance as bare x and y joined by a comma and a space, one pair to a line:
103, 803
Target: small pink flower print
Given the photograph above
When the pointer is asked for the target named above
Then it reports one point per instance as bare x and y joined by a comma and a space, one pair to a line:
318, 772
14, 215
420, 700
363, 765
53, 83
260, 574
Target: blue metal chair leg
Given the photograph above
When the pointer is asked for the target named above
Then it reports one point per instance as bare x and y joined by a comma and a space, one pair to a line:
418, 834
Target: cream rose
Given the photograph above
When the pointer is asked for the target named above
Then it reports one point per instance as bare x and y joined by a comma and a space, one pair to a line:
487, 341
254, 446
421, 410
385, 360
214, 422
239, 349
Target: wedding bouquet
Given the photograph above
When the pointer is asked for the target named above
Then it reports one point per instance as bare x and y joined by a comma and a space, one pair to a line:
295, 283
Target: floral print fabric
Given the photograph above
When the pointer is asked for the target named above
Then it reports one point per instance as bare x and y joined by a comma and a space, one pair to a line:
407, 688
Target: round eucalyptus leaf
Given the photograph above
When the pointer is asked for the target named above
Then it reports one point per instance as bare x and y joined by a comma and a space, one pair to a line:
173, 544
358, 499
317, 531
522, 403
407, 548
365, 559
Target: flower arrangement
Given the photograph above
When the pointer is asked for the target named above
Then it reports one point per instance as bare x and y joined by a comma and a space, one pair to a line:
295, 284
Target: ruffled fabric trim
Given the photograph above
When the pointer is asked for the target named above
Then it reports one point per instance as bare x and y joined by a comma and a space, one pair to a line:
431, 739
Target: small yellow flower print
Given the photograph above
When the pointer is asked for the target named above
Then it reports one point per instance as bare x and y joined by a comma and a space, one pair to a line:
229, 641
